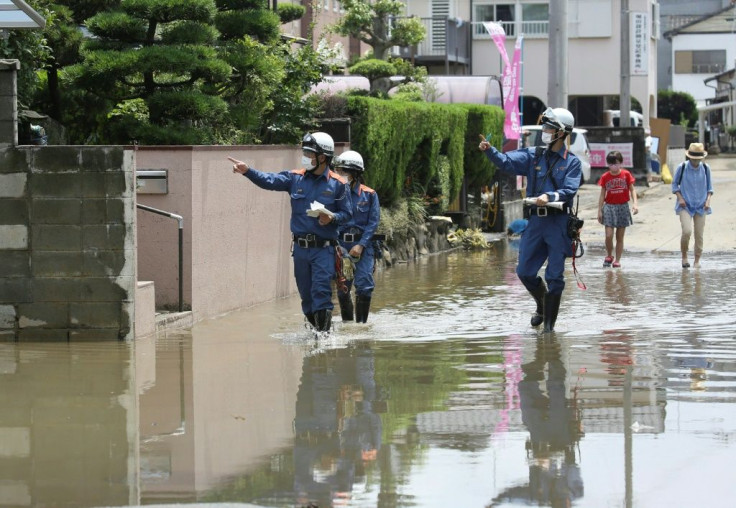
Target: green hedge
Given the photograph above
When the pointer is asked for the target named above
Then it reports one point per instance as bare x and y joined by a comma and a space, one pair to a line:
481, 120
403, 139
401, 144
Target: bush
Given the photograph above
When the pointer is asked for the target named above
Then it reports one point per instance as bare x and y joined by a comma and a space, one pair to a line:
373, 69
401, 142
481, 120
679, 107
399, 218
290, 12
262, 24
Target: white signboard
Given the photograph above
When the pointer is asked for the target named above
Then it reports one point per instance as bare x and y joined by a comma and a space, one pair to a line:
598, 152
639, 37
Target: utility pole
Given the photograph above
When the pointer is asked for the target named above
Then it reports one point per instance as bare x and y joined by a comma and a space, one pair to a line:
625, 100
557, 75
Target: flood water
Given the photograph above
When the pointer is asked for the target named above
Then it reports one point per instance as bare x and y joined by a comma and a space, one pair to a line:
446, 398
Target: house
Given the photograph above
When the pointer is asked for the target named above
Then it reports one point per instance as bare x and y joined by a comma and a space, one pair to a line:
674, 14
701, 49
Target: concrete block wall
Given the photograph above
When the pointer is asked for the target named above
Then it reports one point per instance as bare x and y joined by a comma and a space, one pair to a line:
8, 103
67, 243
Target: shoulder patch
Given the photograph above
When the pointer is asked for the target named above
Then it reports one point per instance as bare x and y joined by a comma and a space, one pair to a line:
337, 177
365, 188
298, 171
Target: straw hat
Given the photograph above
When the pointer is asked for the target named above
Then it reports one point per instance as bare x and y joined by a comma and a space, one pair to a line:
696, 151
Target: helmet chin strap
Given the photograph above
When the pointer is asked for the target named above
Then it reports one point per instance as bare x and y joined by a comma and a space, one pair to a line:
556, 139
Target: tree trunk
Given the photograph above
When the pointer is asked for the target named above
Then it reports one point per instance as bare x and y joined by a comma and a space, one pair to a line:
381, 45
54, 95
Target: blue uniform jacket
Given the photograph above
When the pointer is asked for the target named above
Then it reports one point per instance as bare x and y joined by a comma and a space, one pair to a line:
366, 214
329, 188
563, 180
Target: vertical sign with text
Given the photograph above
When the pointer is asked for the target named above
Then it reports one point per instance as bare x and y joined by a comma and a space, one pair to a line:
639, 37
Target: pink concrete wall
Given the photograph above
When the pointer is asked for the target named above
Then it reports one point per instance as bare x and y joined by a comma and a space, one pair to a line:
237, 242
242, 254
236, 236
157, 236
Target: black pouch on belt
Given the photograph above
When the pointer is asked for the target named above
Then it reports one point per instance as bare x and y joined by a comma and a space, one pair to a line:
574, 225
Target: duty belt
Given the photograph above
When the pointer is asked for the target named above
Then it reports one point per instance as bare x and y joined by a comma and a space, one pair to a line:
310, 241
351, 237
542, 211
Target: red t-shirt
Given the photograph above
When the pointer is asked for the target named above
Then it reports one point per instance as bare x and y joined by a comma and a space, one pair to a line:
617, 187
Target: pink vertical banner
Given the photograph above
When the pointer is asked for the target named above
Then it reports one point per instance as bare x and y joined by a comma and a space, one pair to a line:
510, 79
495, 30
512, 124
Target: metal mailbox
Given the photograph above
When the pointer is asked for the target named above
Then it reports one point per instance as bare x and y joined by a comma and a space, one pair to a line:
152, 181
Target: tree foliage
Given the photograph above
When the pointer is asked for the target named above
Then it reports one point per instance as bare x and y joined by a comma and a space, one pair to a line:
679, 107
378, 24
31, 49
162, 52
171, 71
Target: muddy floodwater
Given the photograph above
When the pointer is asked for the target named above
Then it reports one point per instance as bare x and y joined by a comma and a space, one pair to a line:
445, 398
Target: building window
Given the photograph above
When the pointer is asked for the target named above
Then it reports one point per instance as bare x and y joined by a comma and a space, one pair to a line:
530, 19
707, 61
502, 13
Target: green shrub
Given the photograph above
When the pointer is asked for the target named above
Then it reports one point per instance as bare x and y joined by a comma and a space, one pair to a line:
189, 32
186, 106
290, 12
373, 69
484, 120
679, 107
229, 5
397, 219
262, 24
401, 141
437, 196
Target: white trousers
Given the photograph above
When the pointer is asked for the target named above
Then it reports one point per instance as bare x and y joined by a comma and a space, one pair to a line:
689, 224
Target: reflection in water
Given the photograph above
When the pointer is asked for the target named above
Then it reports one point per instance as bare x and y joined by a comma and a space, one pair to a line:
338, 431
68, 425
618, 290
555, 427
446, 398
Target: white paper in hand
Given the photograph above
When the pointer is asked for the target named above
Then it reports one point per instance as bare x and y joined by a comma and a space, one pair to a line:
317, 208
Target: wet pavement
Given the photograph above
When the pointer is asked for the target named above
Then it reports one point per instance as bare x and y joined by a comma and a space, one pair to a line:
445, 398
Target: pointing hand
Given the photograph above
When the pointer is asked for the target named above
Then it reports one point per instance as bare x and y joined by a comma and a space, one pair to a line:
239, 166
484, 145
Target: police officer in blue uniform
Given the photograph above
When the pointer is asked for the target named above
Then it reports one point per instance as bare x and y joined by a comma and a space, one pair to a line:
314, 238
553, 175
356, 236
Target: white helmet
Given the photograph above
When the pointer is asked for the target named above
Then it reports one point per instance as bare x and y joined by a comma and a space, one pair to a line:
350, 160
319, 143
558, 119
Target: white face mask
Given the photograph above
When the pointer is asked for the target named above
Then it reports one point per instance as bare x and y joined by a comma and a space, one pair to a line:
307, 163
547, 137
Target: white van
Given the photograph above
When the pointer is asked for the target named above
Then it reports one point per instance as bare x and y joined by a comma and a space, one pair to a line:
614, 118
578, 145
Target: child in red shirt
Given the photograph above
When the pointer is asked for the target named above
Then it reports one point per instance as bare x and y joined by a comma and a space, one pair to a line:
617, 184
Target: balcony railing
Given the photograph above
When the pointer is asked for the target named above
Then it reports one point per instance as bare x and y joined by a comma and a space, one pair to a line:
447, 41
708, 68
530, 29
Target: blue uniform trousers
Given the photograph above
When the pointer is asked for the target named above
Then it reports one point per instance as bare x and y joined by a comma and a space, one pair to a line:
544, 237
314, 269
363, 277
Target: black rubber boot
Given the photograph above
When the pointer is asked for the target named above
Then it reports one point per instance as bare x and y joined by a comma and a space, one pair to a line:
362, 308
310, 318
538, 294
323, 319
346, 305
551, 308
